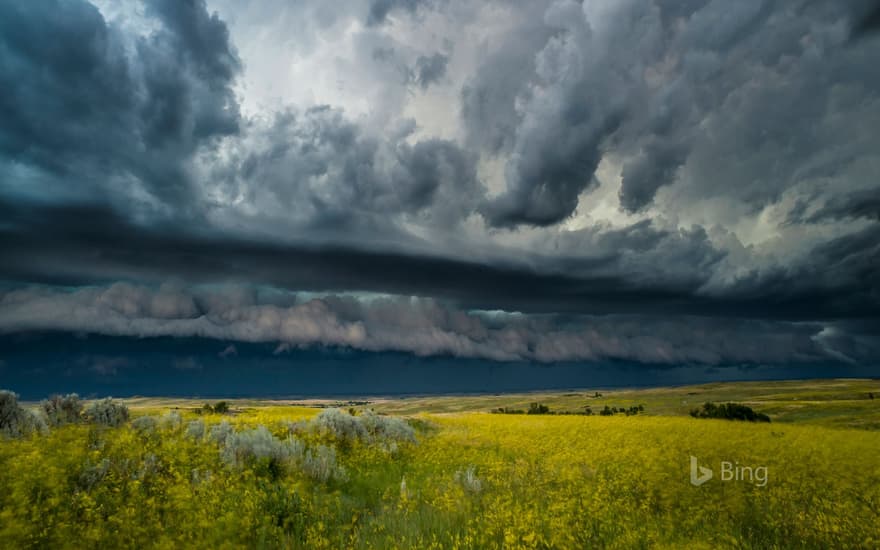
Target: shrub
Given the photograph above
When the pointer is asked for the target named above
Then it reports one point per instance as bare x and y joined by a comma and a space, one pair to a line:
195, 429
221, 407
258, 447
505, 410
538, 408
107, 412
92, 474
729, 411
145, 424
15, 420
468, 480
340, 425
320, 465
220, 432
62, 410
387, 427
170, 420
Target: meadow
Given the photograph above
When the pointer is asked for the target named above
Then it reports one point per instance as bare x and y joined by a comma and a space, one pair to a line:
441, 472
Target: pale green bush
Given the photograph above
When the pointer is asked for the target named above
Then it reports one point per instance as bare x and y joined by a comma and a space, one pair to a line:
15, 420
60, 410
340, 425
320, 464
195, 429
107, 412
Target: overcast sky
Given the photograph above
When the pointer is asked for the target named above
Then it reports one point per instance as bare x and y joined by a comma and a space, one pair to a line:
652, 181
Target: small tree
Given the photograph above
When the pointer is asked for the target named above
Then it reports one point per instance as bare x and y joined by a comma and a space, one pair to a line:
538, 408
729, 411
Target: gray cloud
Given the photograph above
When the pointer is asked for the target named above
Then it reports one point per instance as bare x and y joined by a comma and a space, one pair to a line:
379, 10
419, 326
704, 96
331, 172
95, 111
430, 69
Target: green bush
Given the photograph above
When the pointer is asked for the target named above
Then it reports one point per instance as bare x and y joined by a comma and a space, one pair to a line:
60, 410
107, 412
729, 411
15, 420
538, 408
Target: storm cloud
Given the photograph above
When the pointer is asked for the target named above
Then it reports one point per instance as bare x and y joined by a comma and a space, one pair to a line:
419, 326
526, 180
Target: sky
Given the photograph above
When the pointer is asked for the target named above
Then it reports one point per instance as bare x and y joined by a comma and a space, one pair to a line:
518, 184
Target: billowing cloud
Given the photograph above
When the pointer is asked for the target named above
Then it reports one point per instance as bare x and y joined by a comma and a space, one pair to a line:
91, 111
702, 96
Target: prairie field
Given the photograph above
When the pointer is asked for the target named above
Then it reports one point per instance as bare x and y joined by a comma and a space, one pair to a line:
441, 472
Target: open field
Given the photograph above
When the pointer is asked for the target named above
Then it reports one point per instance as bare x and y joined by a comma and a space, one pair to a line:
832, 403
452, 476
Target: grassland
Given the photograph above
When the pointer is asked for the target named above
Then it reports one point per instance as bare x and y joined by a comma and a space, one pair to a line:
470, 480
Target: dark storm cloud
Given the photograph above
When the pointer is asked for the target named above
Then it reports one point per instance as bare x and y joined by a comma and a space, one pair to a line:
422, 327
328, 171
430, 69
867, 21
91, 112
379, 10
707, 96
643, 269
859, 204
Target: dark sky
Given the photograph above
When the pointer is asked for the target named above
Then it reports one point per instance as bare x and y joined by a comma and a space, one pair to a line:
514, 184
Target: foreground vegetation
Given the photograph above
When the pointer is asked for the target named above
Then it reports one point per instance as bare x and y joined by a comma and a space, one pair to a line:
272, 475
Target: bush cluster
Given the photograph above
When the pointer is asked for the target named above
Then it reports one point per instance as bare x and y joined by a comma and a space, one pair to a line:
107, 412
15, 420
366, 427
729, 411
258, 449
60, 410
611, 411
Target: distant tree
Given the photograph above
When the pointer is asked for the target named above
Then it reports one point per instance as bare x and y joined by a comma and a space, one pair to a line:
606, 411
729, 411
538, 408
221, 407
871, 395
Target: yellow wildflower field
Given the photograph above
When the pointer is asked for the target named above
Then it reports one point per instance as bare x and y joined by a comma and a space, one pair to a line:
438, 480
